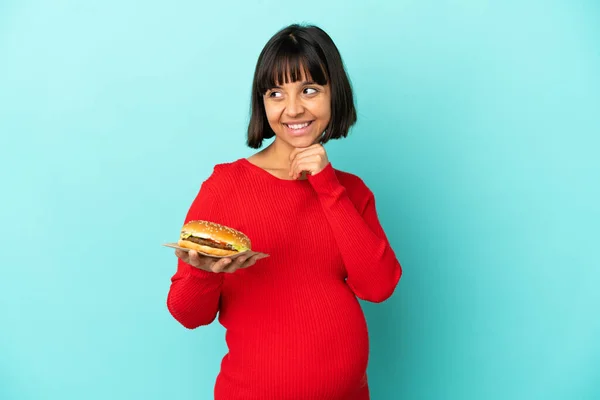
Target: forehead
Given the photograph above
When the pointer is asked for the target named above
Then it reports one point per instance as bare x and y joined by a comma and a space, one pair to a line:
295, 68
291, 75
289, 80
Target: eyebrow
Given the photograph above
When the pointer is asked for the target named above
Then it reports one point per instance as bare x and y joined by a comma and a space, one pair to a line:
302, 83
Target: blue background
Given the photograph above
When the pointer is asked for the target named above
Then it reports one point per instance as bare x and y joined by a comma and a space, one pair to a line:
478, 133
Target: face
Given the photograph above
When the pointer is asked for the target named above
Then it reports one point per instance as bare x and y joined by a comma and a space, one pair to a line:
298, 112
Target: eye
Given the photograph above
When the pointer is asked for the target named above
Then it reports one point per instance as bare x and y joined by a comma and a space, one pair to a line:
275, 94
310, 91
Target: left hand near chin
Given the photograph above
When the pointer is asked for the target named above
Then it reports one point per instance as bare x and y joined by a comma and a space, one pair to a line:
312, 160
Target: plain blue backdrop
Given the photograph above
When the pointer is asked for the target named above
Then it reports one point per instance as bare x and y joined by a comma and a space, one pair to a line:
478, 133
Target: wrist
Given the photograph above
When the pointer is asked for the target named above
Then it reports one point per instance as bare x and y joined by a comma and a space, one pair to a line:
325, 181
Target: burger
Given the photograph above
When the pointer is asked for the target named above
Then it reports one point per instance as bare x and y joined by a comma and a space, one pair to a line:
212, 238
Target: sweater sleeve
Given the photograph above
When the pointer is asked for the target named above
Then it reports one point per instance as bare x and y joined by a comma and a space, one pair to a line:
372, 267
194, 294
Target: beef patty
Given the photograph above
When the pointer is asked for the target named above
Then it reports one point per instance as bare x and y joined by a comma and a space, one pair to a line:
210, 243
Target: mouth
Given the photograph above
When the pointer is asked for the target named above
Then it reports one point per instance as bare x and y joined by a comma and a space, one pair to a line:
297, 129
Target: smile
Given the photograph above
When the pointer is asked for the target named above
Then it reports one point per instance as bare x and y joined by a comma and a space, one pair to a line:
298, 129
298, 126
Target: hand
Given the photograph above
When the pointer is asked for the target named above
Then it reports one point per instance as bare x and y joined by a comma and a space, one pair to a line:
216, 265
312, 159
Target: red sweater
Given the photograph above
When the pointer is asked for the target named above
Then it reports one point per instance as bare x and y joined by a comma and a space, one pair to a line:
295, 329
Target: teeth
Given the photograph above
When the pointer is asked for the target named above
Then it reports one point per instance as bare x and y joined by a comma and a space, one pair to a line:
299, 126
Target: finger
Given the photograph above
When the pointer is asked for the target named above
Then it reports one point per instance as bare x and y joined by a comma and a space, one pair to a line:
241, 260
221, 265
236, 264
183, 255
310, 164
193, 257
295, 152
295, 167
300, 153
310, 151
197, 260
252, 260
231, 268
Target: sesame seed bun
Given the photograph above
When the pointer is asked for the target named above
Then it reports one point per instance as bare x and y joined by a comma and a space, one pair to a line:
216, 239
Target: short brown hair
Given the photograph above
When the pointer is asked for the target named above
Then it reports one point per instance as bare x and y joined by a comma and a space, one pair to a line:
290, 52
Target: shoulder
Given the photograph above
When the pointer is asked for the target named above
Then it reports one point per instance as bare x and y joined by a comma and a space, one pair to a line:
225, 175
226, 170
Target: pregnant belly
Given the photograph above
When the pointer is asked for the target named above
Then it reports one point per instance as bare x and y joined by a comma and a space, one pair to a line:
303, 345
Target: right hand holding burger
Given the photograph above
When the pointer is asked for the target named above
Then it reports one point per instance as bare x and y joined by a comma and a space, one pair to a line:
218, 240
216, 265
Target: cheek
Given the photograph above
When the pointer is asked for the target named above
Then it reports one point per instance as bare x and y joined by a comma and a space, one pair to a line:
322, 109
324, 113
273, 114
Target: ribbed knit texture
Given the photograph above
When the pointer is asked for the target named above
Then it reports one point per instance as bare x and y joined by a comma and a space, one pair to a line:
295, 329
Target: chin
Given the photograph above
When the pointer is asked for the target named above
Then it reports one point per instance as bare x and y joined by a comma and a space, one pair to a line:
302, 141
298, 141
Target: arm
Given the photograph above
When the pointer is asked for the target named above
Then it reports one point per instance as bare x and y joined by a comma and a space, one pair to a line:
194, 294
373, 269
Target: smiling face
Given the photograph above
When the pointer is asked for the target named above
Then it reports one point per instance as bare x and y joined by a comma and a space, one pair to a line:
300, 78
298, 112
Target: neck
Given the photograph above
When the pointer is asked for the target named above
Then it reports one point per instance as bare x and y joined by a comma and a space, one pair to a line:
279, 154
277, 157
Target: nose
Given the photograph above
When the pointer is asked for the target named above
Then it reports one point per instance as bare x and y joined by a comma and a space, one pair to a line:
294, 107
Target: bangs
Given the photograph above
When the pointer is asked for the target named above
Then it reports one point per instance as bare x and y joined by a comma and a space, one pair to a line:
289, 63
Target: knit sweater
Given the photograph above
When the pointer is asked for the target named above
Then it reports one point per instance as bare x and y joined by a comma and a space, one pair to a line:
295, 329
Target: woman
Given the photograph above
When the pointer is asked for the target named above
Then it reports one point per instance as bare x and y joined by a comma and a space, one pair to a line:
295, 329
